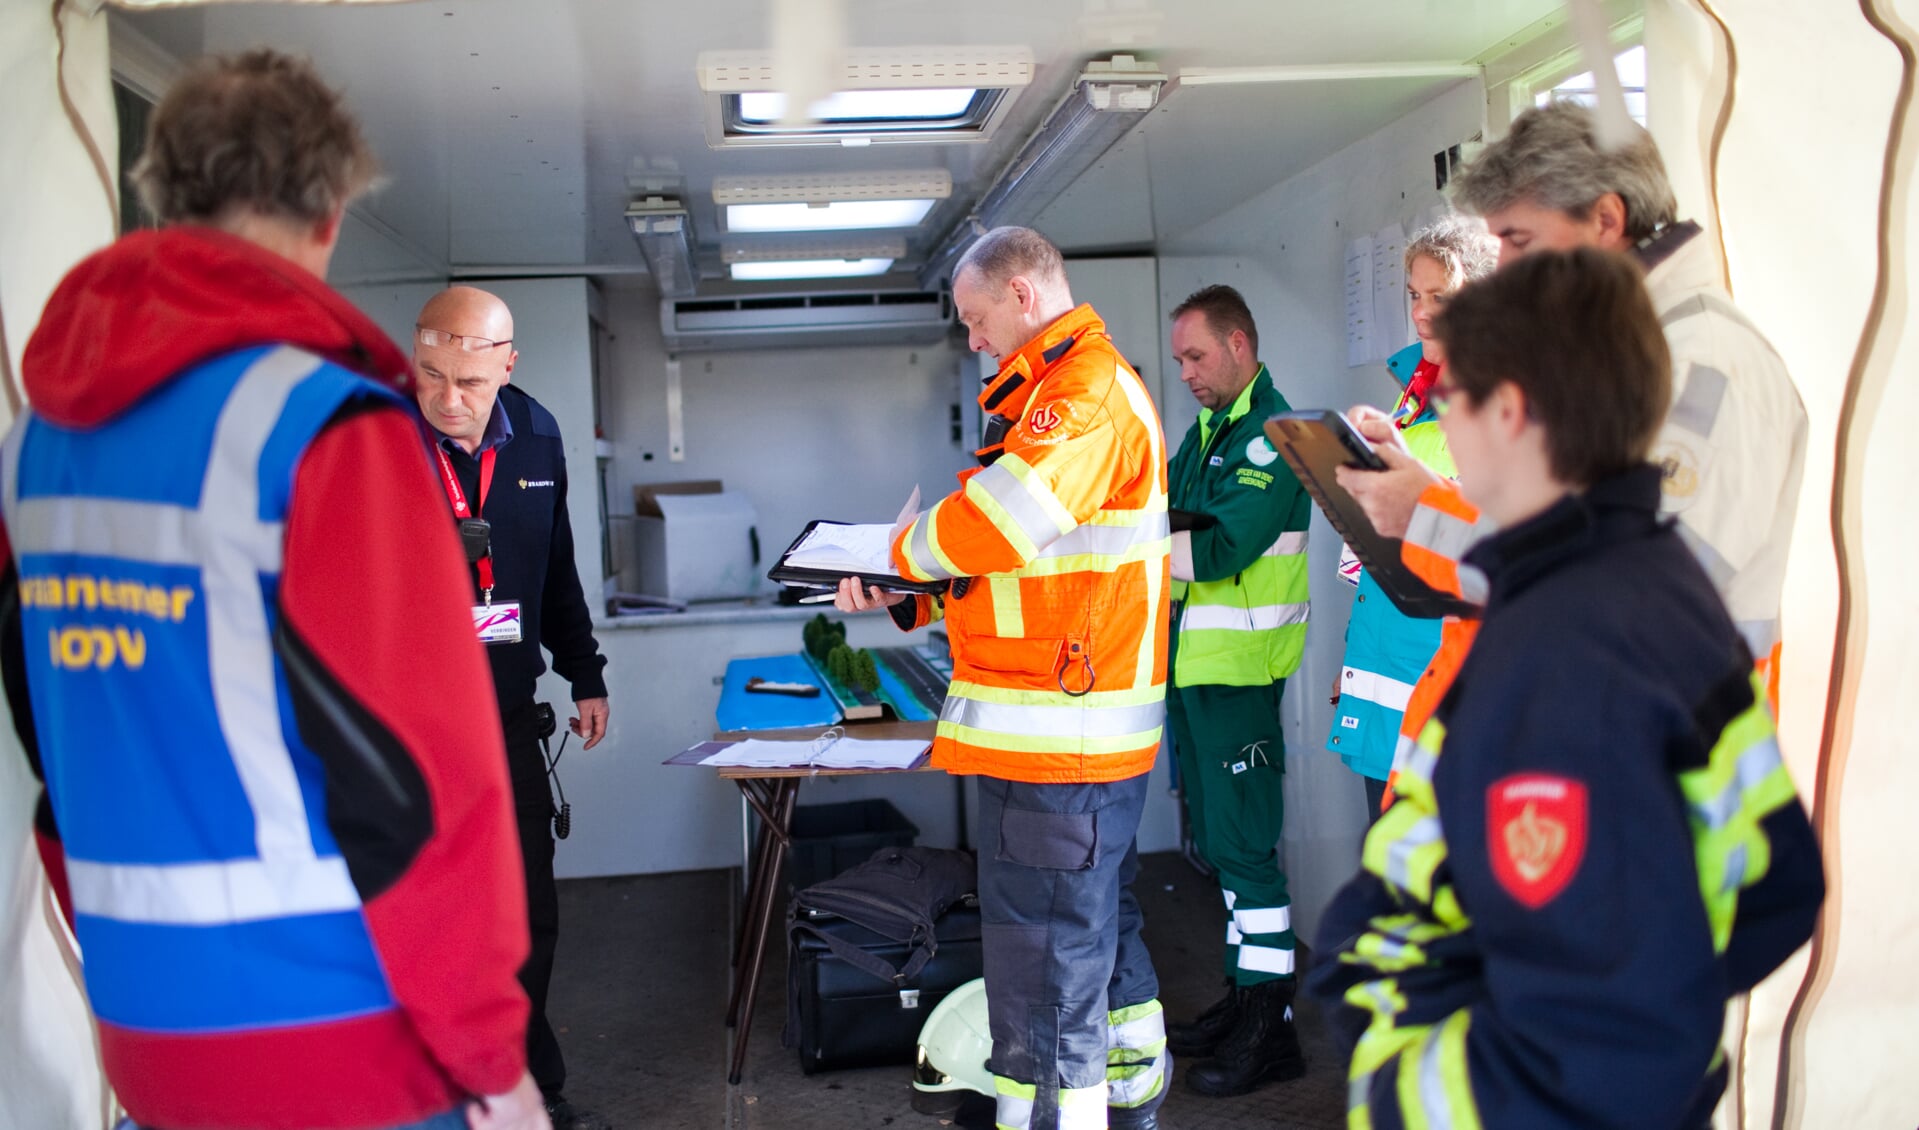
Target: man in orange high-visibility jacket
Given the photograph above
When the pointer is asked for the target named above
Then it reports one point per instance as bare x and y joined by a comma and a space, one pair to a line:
1057, 548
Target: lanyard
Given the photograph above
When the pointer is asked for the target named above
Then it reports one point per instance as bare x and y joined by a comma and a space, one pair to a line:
457, 497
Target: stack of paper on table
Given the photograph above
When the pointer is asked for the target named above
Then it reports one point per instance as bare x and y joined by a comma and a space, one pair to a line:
833, 753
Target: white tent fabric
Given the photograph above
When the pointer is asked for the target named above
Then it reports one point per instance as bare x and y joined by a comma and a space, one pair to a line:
54, 209
1814, 188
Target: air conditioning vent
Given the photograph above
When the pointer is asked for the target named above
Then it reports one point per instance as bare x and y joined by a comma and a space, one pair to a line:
830, 318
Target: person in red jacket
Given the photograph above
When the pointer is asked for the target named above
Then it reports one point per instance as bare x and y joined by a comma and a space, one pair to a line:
283, 840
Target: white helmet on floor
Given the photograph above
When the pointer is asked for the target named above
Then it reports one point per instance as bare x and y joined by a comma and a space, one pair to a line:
954, 1045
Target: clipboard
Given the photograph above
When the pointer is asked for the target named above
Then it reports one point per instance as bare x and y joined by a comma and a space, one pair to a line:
1314, 444
831, 578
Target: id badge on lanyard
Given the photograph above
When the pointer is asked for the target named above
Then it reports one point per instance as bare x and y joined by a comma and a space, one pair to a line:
492, 623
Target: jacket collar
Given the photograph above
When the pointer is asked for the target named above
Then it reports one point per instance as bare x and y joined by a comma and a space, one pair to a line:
1241, 404
1402, 364
1678, 262
1616, 509
1051, 345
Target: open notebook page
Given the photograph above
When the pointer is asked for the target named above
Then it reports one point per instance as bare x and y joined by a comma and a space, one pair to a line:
840, 548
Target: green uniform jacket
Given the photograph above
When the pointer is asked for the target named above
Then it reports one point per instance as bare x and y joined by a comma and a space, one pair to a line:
1242, 619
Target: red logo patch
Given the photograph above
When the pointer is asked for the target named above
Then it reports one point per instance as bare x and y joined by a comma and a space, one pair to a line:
1043, 420
1536, 833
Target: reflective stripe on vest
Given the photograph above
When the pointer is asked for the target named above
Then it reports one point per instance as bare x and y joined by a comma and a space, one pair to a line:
1369, 686
1743, 781
198, 870
1007, 718
1248, 629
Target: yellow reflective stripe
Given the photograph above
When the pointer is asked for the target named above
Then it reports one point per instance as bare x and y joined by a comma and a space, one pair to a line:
1022, 490
1396, 942
1443, 534
1149, 553
1134, 1085
1142, 408
945, 568
1743, 781
1386, 954
1110, 539
921, 564
1138, 1030
1009, 622
1292, 543
1236, 618
1027, 743
1022, 696
1055, 720
1015, 1105
979, 492
1433, 1088
1082, 1108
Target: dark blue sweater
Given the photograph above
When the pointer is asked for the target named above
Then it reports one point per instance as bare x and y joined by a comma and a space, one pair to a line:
1606, 667
533, 557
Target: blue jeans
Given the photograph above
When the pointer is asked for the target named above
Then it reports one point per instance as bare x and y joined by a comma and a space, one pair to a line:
454, 1119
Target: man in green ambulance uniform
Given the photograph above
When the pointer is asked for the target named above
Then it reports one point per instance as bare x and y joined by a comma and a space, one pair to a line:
1239, 627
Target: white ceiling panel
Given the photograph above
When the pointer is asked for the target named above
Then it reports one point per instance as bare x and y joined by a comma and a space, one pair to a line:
516, 131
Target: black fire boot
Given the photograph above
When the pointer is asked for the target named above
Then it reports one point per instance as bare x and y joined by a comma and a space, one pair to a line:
1202, 1037
1263, 1049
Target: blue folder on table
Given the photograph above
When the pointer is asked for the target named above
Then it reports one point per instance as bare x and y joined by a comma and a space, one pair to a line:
740, 710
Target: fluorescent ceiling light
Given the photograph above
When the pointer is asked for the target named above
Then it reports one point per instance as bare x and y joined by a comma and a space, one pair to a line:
1107, 100
664, 231
841, 215
864, 106
810, 269
760, 249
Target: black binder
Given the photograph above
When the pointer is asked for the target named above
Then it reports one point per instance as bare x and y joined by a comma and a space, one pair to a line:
1314, 444
831, 578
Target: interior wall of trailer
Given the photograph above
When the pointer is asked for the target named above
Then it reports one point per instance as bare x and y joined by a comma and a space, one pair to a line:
1285, 251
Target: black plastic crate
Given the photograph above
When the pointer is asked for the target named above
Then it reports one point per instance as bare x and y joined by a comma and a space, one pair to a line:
829, 838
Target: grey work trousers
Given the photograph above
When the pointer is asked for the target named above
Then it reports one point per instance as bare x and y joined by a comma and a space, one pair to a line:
1060, 928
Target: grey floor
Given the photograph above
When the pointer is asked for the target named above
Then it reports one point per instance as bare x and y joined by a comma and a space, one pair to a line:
640, 989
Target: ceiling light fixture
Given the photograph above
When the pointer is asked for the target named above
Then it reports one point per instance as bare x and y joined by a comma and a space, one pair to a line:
787, 250
809, 269
884, 95
843, 215
830, 202
1107, 100
664, 230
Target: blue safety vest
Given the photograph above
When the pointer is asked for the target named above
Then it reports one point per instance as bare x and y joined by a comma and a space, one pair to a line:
208, 892
1386, 650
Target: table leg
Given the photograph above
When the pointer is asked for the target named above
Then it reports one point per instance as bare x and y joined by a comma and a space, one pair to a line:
778, 815
755, 869
762, 799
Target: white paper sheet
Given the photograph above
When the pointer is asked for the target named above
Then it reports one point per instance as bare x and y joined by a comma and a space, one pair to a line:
1359, 300
864, 549
1389, 291
826, 753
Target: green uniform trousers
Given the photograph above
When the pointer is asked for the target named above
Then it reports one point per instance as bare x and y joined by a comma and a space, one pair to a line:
1231, 766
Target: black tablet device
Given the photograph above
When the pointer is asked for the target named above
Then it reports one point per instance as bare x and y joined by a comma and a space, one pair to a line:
1316, 443
829, 573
